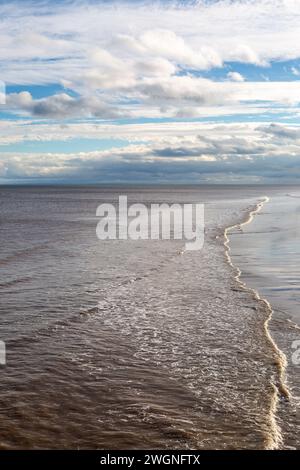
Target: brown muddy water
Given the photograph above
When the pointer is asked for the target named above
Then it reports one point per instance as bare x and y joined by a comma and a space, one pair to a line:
134, 344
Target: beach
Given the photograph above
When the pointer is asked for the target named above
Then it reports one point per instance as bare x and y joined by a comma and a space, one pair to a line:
138, 344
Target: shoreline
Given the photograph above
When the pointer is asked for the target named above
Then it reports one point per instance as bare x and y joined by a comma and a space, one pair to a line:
181, 346
280, 391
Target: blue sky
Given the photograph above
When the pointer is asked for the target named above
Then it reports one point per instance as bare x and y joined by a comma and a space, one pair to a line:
150, 91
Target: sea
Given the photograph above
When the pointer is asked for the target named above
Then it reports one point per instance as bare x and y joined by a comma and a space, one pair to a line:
141, 344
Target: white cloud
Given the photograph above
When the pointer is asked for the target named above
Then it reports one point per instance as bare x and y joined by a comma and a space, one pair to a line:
209, 151
202, 35
148, 55
135, 60
235, 77
169, 45
24, 130
245, 54
62, 106
295, 71
110, 72
165, 96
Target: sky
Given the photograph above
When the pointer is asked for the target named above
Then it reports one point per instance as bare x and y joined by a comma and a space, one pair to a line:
150, 91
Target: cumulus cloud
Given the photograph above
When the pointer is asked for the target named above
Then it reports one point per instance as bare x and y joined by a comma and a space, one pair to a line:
169, 96
109, 72
200, 34
168, 44
138, 60
146, 55
184, 89
235, 77
280, 131
247, 55
62, 105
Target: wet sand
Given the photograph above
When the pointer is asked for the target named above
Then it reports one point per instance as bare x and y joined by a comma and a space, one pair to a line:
267, 253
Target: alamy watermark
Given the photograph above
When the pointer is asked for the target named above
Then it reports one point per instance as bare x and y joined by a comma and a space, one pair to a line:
154, 222
296, 353
2, 353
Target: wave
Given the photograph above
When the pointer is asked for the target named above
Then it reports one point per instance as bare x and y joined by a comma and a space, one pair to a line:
8, 284
20, 254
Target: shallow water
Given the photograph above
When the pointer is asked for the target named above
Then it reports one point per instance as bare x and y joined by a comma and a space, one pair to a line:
269, 249
127, 344
268, 254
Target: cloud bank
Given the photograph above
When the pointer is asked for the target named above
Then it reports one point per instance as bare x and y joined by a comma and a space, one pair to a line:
199, 153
